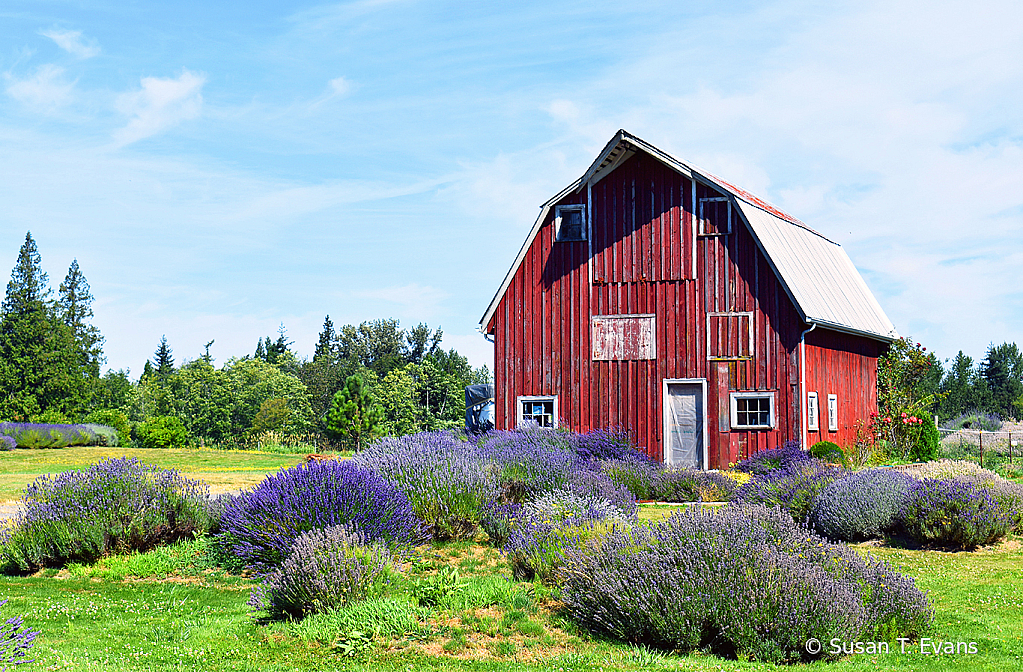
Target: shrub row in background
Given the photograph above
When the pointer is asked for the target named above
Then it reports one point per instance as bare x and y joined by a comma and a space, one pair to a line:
117, 505
36, 435
744, 581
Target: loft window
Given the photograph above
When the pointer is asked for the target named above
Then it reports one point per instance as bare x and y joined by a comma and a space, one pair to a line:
832, 412
715, 216
812, 412
541, 410
752, 410
570, 222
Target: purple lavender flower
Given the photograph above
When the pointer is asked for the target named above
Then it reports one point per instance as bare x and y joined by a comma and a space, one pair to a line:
115, 505
774, 458
7, 443
955, 514
15, 643
793, 487
327, 569
743, 581
42, 435
863, 505
262, 525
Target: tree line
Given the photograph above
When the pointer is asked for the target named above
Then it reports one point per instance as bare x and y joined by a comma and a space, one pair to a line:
363, 380
911, 378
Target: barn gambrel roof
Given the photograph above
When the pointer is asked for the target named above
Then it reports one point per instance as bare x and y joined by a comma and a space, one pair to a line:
816, 272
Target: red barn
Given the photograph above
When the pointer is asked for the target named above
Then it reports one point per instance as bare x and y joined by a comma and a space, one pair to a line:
655, 296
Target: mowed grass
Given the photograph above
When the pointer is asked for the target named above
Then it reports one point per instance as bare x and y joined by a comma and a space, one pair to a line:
224, 470
171, 610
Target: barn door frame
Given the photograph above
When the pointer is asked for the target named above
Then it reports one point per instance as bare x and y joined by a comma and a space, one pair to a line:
666, 415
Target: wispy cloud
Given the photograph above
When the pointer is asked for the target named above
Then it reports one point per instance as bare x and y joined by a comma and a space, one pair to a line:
71, 42
45, 91
161, 104
339, 86
417, 301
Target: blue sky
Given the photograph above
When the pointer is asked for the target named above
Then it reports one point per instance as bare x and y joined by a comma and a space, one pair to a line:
220, 168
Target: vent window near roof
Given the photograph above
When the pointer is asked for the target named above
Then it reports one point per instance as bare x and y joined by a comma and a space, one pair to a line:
570, 222
715, 216
832, 413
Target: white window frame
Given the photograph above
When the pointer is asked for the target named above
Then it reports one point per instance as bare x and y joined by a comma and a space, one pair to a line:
733, 399
749, 335
812, 412
574, 207
832, 412
519, 401
703, 220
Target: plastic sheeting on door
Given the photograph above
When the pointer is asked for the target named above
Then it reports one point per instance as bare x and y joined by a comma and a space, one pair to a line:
685, 426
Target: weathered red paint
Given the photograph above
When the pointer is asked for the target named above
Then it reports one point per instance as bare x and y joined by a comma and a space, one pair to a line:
645, 257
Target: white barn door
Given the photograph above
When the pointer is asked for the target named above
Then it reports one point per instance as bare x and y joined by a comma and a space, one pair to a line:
685, 425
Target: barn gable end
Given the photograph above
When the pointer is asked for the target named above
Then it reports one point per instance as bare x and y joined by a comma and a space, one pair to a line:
677, 307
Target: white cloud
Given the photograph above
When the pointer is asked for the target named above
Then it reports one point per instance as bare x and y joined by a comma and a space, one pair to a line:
416, 302
340, 86
71, 42
45, 91
162, 103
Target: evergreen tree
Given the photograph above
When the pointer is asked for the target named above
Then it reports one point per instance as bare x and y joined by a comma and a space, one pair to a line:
75, 304
354, 416
1002, 369
260, 350
39, 363
164, 363
325, 344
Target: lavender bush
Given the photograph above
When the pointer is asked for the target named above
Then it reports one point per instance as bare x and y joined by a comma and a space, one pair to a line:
262, 525
447, 481
536, 460
117, 505
676, 484
15, 643
792, 487
38, 435
745, 581
640, 476
327, 569
863, 505
955, 514
775, 458
552, 523
595, 485
613, 443
7, 443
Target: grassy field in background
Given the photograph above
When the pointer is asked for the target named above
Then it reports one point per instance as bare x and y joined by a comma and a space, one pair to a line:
223, 469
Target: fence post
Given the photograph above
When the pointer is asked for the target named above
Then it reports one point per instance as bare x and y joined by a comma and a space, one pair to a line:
982, 449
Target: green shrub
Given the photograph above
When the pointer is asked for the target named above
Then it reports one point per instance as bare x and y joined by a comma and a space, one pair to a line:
927, 441
112, 418
161, 431
829, 452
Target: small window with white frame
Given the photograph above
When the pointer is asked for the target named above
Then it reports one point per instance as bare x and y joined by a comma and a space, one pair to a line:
542, 410
570, 222
812, 412
752, 410
715, 216
832, 412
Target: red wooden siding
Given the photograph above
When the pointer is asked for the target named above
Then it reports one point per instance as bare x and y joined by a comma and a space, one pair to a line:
646, 261
845, 366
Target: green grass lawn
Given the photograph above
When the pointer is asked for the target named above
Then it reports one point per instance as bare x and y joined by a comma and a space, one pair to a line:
170, 610
223, 470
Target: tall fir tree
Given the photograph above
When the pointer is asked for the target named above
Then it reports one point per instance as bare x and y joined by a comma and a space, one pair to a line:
75, 305
40, 374
164, 362
325, 344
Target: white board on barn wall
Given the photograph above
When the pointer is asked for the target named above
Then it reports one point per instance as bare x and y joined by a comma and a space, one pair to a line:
623, 337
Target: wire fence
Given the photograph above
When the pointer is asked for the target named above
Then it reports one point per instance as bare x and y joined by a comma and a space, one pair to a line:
987, 447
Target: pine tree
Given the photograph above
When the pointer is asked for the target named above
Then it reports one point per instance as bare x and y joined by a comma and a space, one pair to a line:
164, 363
75, 305
39, 363
354, 417
260, 350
